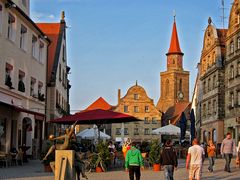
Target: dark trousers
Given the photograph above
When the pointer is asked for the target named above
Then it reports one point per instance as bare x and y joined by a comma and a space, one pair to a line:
211, 163
228, 158
134, 170
168, 172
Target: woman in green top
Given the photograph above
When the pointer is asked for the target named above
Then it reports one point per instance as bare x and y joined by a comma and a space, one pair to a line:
133, 162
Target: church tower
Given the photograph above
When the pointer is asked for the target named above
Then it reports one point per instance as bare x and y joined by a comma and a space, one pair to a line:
175, 81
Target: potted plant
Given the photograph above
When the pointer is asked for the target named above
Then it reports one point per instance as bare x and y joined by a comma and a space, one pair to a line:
154, 154
46, 145
101, 158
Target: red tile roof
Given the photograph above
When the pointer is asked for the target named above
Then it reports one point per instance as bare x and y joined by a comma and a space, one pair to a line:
100, 103
52, 31
174, 113
174, 45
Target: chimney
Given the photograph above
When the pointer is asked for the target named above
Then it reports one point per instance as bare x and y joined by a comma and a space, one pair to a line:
119, 95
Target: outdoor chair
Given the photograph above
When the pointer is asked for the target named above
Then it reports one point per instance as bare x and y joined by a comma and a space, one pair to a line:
4, 159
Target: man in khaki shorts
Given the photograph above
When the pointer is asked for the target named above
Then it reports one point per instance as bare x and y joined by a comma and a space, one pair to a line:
195, 157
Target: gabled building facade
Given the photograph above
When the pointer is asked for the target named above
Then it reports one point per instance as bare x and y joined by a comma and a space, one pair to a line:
57, 73
232, 74
137, 103
210, 100
23, 65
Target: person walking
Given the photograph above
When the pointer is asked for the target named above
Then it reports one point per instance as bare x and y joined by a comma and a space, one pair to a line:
169, 160
228, 148
133, 162
195, 158
211, 150
238, 154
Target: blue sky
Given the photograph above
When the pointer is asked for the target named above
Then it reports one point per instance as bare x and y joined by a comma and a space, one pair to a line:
113, 43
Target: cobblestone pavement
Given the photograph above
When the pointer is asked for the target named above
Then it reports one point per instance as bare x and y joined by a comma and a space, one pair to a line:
34, 171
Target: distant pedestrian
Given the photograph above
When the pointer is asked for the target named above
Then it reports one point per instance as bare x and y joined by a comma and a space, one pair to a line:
133, 162
195, 157
168, 159
228, 147
211, 151
238, 155
126, 146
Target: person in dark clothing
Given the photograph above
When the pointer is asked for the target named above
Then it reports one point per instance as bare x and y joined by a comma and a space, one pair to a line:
169, 160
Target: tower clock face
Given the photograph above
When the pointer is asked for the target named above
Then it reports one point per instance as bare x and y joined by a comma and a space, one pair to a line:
180, 95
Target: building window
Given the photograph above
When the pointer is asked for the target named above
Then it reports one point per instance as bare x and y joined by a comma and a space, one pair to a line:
57, 103
231, 47
214, 106
1, 21
204, 87
125, 131
11, 24
63, 53
41, 52
136, 131
32, 87
8, 79
146, 120
154, 120
136, 97
238, 43
180, 85
167, 87
136, 110
125, 108
214, 81
146, 109
231, 72
238, 98
60, 72
231, 100
40, 93
24, 2
204, 110
209, 108
23, 37
118, 131
209, 84
21, 85
34, 46
238, 68
146, 131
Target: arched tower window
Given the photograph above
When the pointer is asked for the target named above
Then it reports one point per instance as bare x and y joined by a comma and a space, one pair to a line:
167, 87
180, 85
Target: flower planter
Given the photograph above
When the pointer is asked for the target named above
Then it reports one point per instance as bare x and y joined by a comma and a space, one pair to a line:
156, 167
99, 169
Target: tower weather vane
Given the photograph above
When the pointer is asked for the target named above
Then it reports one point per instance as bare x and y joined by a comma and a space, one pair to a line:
174, 15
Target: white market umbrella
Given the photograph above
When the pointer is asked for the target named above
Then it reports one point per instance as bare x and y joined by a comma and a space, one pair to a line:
169, 130
91, 133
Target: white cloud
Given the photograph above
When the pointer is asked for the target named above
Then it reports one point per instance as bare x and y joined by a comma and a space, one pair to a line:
39, 16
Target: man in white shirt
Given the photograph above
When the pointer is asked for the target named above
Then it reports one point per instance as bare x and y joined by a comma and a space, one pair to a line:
195, 157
